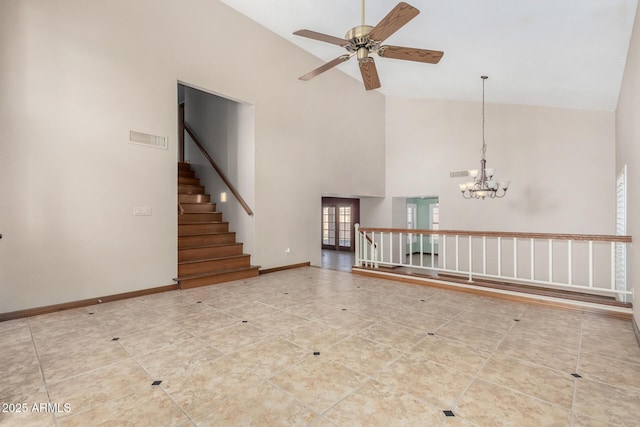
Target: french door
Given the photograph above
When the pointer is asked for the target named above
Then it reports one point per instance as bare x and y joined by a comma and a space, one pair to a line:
338, 219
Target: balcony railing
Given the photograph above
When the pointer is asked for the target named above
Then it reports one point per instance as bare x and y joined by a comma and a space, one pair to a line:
587, 263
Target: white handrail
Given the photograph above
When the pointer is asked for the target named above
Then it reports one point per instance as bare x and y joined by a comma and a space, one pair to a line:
588, 264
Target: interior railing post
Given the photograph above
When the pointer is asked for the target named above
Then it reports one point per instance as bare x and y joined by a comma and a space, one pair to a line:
358, 243
470, 258
613, 266
591, 263
550, 260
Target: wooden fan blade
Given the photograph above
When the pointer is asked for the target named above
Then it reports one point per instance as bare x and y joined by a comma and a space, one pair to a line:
322, 37
411, 54
396, 19
369, 74
329, 65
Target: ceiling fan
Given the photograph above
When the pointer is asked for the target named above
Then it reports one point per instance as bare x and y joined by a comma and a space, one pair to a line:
365, 39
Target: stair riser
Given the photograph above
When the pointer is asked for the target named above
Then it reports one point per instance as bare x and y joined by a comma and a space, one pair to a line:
194, 198
188, 217
200, 217
186, 174
190, 189
205, 239
206, 253
191, 229
184, 166
213, 265
188, 181
198, 208
219, 278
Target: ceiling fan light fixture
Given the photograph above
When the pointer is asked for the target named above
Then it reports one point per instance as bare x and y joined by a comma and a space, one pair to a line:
363, 40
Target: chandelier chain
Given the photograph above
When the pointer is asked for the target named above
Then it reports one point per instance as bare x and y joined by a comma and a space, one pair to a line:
484, 143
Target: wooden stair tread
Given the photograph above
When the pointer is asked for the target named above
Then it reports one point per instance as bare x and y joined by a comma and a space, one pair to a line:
218, 245
213, 259
202, 222
215, 273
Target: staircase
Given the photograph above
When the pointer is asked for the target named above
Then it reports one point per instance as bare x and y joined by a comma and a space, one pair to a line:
207, 251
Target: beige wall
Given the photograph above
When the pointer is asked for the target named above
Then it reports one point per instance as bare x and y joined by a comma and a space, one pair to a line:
628, 152
76, 76
561, 163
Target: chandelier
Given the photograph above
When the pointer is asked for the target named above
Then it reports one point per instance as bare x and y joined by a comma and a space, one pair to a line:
483, 185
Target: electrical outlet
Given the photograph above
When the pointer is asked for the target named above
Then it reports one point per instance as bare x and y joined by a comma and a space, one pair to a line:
142, 211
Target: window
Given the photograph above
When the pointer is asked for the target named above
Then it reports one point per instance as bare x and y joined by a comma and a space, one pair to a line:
344, 223
328, 225
435, 218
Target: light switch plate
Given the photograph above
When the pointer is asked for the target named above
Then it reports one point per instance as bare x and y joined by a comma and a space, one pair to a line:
142, 211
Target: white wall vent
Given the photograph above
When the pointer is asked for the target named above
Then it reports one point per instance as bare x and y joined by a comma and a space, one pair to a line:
148, 140
458, 174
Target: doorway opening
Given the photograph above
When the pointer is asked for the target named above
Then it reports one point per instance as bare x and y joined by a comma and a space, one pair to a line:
339, 216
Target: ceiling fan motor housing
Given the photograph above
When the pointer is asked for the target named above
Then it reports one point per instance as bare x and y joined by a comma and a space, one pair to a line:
359, 41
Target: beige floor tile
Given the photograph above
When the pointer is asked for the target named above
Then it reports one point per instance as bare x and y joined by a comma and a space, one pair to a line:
250, 310
414, 320
48, 345
278, 300
608, 345
582, 421
61, 365
153, 339
497, 308
492, 405
485, 321
263, 405
362, 355
270, 356
543, 383
549, 333
425, 380
15, 335
86, 324
322, 422
94, 388
318, 382
376, 404
298, 312
208, 383
20, 374
149, 406
432, 307
234, 337
208, 322
9, 325
551, 356
610, 371
23, 410
393, 335
312, 310
279, 322
536, 313
176, 358
347, 320
121, 326
316, 336
450, 353
179, 313
600, 325
470, 335
615, 405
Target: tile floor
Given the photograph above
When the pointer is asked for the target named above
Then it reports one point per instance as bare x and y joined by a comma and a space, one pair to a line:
318, 347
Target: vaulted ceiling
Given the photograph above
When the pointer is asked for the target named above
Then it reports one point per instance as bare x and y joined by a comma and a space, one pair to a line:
558, 53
